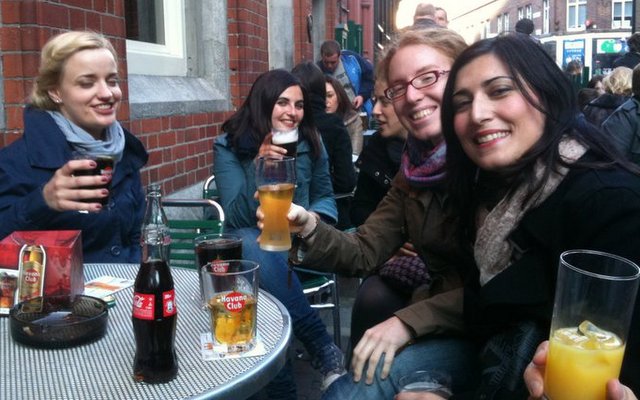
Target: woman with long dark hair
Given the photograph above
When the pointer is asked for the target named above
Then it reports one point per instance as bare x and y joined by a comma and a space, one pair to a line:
277, 101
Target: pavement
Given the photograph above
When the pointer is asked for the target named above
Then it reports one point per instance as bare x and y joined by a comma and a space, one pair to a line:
309, 380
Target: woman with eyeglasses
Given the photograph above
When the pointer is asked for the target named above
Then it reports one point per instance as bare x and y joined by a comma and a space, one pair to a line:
416, 65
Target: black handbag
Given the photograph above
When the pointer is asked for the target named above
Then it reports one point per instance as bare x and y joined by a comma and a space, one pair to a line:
405, 273
504, 359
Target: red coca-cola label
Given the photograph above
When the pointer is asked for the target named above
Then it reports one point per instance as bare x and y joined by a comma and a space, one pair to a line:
234, 301
143, 306
219, 267
107, 171
169, 303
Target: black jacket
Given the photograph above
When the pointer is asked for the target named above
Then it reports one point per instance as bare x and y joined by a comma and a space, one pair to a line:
590, 209
602, 107
630, 60
378, 164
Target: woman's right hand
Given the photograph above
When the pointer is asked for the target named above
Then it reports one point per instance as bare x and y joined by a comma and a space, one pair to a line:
268, 149
534, 378
63, 191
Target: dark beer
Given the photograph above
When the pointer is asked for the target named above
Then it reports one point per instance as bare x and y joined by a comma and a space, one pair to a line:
104, 166
288, 140
221, 248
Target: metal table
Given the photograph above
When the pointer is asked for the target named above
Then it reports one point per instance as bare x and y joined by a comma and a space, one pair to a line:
103, 369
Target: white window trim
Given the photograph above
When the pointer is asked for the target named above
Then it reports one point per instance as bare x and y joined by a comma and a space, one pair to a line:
545, 16
620, 24
155, 59
576, 4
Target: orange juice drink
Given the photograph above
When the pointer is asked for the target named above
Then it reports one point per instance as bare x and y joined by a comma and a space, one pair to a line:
275, 201
580, 362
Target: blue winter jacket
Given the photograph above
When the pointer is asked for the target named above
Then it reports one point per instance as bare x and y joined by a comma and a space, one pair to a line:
112, 235
235, 180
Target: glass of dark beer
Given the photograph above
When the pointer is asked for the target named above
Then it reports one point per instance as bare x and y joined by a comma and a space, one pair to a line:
105, 165
216, 247
288, 140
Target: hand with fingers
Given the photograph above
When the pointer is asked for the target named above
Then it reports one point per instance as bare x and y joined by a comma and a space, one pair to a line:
387, 338
268, 149
300, 220
64, 191
534, 378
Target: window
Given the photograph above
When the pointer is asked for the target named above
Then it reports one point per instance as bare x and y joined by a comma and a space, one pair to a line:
520, 13
622, 12
528, 11
545, 16
500, 24
155, 37
505, 21
576, 14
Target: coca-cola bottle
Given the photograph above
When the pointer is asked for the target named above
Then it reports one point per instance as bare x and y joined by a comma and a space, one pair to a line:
154, 313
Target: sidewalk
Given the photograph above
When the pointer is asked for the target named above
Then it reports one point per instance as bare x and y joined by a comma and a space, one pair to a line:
308, 380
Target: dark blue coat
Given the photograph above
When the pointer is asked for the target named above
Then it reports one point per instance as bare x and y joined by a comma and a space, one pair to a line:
113, 235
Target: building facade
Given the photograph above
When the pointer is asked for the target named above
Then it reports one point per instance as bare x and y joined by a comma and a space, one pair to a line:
184, 65
591, 31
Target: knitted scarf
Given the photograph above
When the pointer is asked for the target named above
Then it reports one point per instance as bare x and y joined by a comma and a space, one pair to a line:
422, 165
492, 249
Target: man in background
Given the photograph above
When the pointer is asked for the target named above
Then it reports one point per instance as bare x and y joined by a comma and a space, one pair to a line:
354, 73
424, 16
441, 17
631, 58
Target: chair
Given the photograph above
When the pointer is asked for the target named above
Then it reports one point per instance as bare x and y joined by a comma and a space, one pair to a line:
186, 222
209, 189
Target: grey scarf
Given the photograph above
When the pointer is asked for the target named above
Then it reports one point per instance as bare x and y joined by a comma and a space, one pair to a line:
492, 249
81, 140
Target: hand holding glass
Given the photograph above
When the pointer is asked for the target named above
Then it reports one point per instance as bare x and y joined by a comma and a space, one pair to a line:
275, 180
595, 294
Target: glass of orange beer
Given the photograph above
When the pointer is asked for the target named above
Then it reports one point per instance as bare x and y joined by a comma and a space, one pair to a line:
275, 180
231, 294
595, 294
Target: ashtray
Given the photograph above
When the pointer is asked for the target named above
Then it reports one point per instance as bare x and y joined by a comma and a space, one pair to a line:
58, 321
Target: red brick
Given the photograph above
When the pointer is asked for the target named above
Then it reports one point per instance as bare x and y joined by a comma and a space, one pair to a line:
49, 14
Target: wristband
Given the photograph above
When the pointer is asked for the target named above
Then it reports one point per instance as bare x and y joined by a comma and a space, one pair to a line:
313, 231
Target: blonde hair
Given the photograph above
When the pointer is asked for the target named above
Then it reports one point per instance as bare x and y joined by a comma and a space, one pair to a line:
446, 41
53, 58
619, 81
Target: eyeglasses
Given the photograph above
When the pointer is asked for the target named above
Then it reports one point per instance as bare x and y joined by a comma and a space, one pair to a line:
421, 81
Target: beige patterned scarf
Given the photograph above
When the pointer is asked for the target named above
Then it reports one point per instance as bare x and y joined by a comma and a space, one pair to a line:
492, 249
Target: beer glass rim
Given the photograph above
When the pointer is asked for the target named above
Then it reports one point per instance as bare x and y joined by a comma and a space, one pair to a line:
253, 266
623, 276
209, 236
276, 159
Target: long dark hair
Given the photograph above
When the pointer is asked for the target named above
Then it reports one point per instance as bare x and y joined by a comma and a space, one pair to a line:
249, 125
344, 104
545, 87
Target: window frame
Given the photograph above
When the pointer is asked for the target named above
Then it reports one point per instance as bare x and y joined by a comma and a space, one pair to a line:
545, 16
623, 22
577, 24
167, 59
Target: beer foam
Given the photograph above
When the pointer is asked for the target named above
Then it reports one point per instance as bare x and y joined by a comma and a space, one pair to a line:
285, 137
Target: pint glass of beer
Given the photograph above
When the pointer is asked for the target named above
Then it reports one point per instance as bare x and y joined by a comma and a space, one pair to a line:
288, 140
231, 293
275, 180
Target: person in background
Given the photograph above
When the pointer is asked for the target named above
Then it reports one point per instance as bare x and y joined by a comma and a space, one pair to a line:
73, 107
413, 210
528, 178
354, 73
338, 102
334, 137
623, 125
277, 100
632, 57
390, 288
618, 89
424, 16
525, 26
596, 83
441, 17
534, 378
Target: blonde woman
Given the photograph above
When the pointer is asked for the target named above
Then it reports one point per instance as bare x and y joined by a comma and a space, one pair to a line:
617, 89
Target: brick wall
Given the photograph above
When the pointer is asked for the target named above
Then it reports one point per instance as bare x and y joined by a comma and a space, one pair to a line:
303, 48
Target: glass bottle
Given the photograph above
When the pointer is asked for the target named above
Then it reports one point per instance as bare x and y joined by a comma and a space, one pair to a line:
154, 313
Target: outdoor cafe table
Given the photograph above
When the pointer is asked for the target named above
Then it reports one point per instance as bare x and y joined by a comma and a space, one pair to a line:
103, 369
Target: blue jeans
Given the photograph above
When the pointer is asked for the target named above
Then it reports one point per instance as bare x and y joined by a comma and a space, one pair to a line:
453, 356
274, 271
